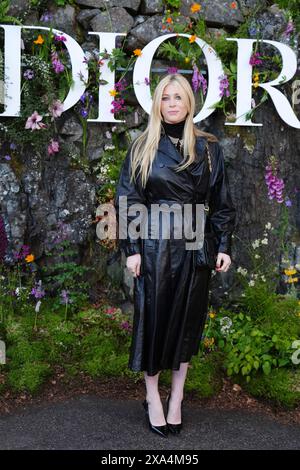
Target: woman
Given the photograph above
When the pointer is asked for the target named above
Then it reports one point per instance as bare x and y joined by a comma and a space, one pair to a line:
167, 164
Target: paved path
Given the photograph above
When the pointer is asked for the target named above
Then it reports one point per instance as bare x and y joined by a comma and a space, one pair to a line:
90, 422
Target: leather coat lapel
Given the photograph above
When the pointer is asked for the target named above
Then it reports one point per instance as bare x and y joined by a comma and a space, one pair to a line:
168, 149
169, 152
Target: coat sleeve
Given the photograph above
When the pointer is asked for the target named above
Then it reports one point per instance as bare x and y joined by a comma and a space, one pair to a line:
135, 194
223, 214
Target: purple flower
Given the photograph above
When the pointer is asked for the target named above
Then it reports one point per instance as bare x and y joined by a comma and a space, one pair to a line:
60, 38
56, 63
125, 325
255, 59
12, 146
28, 74
198, 81
147, 81
7, 157
172, 70
121, 85
275, 184
3, 240
252, 31
288, 203
37, 291
84, 113
289, 28
224, 85
22, 253
62, 232
64, 296
46, 17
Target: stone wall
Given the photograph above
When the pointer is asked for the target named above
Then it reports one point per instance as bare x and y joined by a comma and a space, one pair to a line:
51, 192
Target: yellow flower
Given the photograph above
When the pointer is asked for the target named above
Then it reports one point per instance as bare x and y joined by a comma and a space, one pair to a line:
113, 92
193, 38
212, 315
256, 77
256, 84
291, 280
29, 258
39, 40
137, 52
290, 272
195, 7
298, 314
187, 60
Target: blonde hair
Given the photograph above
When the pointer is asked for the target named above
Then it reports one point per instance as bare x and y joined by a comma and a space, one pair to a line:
144, 148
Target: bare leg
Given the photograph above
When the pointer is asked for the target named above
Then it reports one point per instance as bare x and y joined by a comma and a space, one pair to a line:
156, 412
178, 380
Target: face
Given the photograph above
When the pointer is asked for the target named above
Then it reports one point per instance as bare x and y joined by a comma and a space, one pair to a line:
173, 107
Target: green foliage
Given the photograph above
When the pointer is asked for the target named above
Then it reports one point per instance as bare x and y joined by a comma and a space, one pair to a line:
205, 374
282, 387
292, 8
173, 3
66, 275
255, 344
29, 377
95, 341
4, 17
108, 171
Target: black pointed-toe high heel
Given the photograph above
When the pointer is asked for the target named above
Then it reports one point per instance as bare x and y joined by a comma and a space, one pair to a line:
161, 430
173, 428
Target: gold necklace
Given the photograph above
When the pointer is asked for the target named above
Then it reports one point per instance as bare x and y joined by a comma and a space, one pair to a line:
178, 143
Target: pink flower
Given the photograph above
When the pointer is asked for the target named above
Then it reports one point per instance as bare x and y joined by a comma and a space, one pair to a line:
56, 63
56, 108
53, 147
289, 28
255, 59
34, 122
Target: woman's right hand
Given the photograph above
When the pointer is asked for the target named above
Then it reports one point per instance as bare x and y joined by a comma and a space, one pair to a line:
133, 263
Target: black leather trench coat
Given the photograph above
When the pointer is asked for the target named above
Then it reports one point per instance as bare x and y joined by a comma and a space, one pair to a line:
171, 294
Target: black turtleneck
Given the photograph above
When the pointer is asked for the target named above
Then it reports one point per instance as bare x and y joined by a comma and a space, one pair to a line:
174, 130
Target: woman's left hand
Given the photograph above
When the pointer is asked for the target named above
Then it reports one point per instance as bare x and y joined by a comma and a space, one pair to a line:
223, 262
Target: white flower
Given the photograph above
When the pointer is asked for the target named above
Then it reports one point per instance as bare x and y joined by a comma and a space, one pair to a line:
242, 271
264, 241
18, 291
257, 256
255, 244
251, 283
268, 226
37, 307
114, 128
263, 278
226, 321
108, 135
109, 147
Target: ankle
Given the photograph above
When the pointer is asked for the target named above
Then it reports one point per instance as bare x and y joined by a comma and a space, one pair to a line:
176, 397
153, 398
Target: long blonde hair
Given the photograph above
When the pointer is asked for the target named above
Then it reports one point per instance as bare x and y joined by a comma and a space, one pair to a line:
144, 148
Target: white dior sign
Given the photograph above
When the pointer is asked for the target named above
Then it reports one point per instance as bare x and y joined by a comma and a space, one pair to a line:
12, 61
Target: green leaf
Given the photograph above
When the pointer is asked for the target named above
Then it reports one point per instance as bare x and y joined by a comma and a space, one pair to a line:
266, 368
